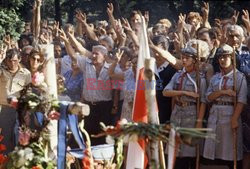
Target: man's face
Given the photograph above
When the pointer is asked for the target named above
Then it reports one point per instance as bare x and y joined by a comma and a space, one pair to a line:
57, 51
112, 34
205, 37
234, 38
97, 57
13, 63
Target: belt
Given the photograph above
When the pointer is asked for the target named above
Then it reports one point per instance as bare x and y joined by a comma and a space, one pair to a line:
223, 103
95, 103
185, 104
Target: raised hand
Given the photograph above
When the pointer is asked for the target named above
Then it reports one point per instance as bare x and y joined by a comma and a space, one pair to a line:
7, 40
118, 26
146, 16
181, 21
118, 55
81, 17
245, 16
3, 49
126, 25
205, 10
235, 16
110, 9
55, 28
63, 36
38, 3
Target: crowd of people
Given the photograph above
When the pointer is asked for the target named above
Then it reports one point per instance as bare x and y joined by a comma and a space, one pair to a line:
195, 60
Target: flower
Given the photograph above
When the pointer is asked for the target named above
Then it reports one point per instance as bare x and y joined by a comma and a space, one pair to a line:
1, 138
37, 79
24, 137
3, 159
109, 139
54, 115
28, 154
36, 167
2, 147
32, 104
121, 123
14, 102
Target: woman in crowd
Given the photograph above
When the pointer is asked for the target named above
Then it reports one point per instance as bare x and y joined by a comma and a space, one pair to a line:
123, 74
73, 83
184, 89
224, 117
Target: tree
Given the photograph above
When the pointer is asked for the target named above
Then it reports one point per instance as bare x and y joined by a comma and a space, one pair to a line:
10, 22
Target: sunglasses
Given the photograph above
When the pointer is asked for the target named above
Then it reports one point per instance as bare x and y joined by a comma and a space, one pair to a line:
36, 59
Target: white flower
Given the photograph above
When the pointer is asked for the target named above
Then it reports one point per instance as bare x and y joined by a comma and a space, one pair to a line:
20, 153
20, 162
123, 121
110, 140
29, 155
32, 104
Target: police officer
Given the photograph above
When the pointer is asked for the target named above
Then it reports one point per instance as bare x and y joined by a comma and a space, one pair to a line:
224, 116
184, 89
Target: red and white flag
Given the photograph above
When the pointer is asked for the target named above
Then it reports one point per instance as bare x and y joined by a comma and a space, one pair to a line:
136, 156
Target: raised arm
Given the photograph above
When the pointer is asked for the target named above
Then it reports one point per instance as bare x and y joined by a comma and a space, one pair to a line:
78, 45
70, 51
176, 63
205, 15
111, 70
37, 18
130, 32
246, 20
110, 11
82, 17
79, 30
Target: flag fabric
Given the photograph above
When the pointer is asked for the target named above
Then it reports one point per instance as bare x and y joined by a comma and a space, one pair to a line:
136, 156
171, 149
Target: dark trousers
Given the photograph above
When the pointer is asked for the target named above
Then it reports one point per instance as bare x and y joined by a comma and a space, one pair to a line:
8, 117
99, 112
229, 164
185, 163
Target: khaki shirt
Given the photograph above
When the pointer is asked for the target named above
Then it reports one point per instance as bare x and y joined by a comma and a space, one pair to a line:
12, 84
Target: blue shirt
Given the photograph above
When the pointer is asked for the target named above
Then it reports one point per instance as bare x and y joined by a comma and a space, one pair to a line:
73, 85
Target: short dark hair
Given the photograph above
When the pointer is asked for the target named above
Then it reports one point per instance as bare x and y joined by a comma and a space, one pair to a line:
160, 39
12, 52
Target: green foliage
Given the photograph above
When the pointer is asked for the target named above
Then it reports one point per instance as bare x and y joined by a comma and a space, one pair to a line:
13, 4
10, 23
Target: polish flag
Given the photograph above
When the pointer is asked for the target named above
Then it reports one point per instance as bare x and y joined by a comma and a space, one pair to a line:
136, 156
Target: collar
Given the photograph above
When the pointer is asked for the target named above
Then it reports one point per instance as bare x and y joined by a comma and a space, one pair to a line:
222, 77
106, 65
228, 74
162, 67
